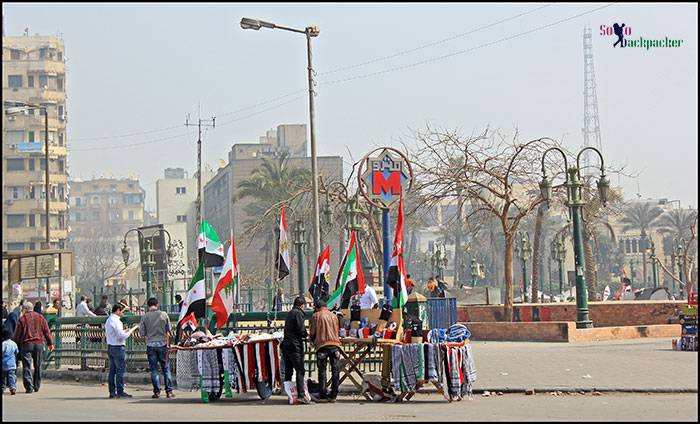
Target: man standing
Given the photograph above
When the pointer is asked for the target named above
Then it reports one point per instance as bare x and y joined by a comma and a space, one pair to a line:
83, 309
410, 284
55, 307
369, 300
179, 301
116, 338
32, 329
155, 327
103, 307
279, 300
325, 333
293, 346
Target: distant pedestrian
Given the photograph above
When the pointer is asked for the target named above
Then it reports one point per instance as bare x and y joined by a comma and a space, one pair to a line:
104, 307
155, 327
116, 339
83, 309
368, 299
38, 307
293, 346
179, 301
32, 329
55, 307
410, 284
9, 362
5, 312
325, 334
434, 290
18, 309
278, 303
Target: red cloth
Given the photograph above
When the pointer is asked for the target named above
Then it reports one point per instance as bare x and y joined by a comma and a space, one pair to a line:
32, 328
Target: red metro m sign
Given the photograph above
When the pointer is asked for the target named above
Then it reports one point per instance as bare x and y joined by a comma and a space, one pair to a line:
385, 178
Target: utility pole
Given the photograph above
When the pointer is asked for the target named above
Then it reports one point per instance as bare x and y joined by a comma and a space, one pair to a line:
199, 160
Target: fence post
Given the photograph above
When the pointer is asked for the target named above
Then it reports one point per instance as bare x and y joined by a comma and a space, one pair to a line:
131, 301
83, 346
114, 295
94, 293
250, 299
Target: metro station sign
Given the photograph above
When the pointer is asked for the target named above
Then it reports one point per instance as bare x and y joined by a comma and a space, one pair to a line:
386, 178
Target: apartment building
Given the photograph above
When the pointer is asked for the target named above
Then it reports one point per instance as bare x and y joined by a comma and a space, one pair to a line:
33, 72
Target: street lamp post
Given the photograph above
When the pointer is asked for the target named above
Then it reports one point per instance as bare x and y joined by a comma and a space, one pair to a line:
575, 202
474, 271
310, 31
632, 273
651, 251
147, 256
300, 242
522, 249
679, 243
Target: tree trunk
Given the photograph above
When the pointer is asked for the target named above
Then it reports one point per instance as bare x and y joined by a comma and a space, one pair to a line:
508, 277
590, 268
537, 253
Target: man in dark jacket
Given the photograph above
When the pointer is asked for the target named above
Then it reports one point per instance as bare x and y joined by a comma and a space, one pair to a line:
293, 346
104, 307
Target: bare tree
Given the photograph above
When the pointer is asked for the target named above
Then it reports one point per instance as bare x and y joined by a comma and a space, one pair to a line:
496, 172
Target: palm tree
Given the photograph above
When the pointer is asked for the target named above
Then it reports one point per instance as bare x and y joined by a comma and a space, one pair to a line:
642, 217
676, 223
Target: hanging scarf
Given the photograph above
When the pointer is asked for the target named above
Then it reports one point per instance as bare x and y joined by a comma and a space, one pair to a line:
228, 358
186, 371
241, 362
250, 365
276, 361
210, 370
396, 367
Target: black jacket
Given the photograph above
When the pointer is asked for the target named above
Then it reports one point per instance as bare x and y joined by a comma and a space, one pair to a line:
294, 330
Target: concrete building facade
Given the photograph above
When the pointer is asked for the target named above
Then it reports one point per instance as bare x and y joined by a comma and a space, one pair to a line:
33, 72
176, 201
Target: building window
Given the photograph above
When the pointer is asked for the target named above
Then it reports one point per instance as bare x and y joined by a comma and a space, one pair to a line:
43, 81
95, 215
78, 202
131, 215
60, 111
31, 188
59, 83
32, 246
15, 246
14, 54
30, 81
15, 164
182, 218
95, 200
42, 164
60, 166
30, 161
31, 136
60, 139
180, 190
43, 52
59, 56
32, 220
14, 81
16, 221
77, 216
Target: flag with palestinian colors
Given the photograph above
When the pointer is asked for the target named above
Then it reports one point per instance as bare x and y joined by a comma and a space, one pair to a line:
283, 249
319, 285
225, 292
397, 269
189, 322
351, 280
211, 251
195, 300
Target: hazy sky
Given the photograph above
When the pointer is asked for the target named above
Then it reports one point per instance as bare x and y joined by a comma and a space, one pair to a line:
134, 68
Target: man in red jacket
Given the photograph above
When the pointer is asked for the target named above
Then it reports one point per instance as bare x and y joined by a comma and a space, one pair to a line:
29, 335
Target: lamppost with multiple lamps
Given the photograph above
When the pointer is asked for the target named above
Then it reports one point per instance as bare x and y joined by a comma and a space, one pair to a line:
678, 245
523, 251
474, 271
575, 202
300, 243
651, 252
309, 32
147, 253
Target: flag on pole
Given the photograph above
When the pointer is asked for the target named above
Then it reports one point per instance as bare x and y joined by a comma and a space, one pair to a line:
351, 280
195, 300
282, 249
225, 292
319, 285
397, 269
189, 322
211, 251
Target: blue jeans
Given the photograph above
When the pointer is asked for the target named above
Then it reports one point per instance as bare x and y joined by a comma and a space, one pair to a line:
9, 379
158, 356
117, 366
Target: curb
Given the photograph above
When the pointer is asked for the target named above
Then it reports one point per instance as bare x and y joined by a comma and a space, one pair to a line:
145, 379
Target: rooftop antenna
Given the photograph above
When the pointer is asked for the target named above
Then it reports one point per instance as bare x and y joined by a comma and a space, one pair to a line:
639, 195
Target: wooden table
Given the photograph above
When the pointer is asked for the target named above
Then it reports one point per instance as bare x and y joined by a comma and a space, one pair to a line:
351, 360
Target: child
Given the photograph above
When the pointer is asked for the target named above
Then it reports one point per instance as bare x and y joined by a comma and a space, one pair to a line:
9, 362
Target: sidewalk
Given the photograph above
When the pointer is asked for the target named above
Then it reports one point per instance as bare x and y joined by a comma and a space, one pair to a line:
641, 365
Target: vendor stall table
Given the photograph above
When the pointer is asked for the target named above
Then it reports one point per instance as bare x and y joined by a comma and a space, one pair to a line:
353, 358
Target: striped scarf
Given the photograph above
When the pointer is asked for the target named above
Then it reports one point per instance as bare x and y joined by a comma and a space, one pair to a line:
209, 365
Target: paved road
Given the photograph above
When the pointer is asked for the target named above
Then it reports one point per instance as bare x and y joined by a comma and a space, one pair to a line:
624, 364
67, 402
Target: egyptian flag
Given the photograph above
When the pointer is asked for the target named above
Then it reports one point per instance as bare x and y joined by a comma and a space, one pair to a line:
211, 251
189, 321
397, 270
352, 280
319, 285
225, 292
282, 249
195, 300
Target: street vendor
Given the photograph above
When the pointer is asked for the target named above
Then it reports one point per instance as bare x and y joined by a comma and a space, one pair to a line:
293, 346
325, 332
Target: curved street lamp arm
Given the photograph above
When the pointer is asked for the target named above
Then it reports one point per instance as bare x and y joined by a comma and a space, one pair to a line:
566, 164
602, 162
133, 229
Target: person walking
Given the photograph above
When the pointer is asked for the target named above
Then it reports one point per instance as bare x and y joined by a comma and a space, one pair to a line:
325, 334
434, 290
32, 329
278, 302
293, 346
83, 309
104, 306
116, 338
38, 307
155, 327
410, 284
9, 362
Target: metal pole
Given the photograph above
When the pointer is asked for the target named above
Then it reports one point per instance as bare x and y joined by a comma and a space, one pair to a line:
549, 268
148, 281
582, 320
673, 272
48, 183
199, 175
561, 276
387, 254
525, 292
314, 171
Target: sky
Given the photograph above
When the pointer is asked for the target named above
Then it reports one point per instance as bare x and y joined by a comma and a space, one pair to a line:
134, 71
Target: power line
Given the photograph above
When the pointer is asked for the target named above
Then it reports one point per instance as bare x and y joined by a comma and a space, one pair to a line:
435, 43
446, 56
125, 135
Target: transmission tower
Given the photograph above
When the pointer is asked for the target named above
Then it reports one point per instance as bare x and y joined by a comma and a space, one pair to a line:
591, 123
